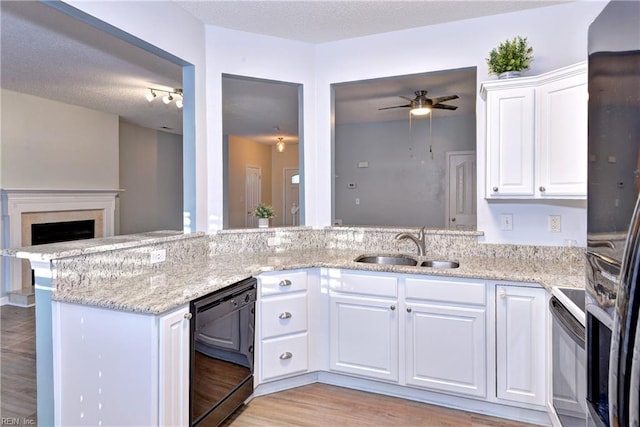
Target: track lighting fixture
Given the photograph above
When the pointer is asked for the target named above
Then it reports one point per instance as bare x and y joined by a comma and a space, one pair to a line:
151, 95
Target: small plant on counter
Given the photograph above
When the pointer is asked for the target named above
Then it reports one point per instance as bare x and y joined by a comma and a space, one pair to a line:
264, 211
511, 55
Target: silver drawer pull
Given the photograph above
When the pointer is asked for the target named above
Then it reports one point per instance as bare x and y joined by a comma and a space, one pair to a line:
542, 189
286, 355
285, 315
285, 282
495, 189
188, 316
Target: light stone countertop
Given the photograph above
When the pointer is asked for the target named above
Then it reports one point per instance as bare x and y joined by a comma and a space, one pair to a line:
162, 290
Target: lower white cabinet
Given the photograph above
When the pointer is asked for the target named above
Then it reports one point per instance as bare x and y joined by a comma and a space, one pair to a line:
364, 336
521, 344
283, 318
445, 335
120, 368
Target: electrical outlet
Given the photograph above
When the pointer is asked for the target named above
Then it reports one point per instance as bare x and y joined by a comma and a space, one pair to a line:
555, 224
506, 222
158, 256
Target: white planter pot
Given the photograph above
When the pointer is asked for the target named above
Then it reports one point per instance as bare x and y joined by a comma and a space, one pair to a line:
263, 222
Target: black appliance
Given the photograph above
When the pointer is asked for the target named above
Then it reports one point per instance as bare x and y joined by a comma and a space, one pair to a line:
612, 224
568, 356
222, 343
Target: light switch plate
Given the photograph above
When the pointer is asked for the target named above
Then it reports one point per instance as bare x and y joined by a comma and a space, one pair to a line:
555, 223
506, 222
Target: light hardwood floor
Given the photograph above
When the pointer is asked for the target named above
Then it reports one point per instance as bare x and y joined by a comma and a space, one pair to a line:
312, 405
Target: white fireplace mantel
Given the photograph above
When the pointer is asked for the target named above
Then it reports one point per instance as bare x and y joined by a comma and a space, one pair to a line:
16, 202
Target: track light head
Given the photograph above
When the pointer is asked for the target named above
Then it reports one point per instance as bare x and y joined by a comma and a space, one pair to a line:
151, 95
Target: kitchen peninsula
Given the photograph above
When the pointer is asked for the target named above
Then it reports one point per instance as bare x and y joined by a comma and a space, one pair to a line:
114, 277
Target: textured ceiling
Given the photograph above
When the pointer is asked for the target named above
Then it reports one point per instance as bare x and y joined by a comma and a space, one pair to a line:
324, 21
51, 55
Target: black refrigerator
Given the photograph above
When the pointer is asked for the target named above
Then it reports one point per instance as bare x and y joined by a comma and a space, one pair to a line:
613, 217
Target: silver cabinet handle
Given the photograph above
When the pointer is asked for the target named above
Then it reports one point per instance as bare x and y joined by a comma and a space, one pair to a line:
393, 307
542, 189
188, 316
286, 355
495, 189
409, 310
285, 282
285, 315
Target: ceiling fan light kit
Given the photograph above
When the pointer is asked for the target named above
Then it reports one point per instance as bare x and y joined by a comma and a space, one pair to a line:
151, 95
421, 105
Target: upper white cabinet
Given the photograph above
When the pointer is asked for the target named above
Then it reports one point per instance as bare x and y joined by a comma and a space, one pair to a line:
537, 135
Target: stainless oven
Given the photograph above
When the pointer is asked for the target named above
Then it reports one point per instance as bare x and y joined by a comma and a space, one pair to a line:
569, 371
222, 342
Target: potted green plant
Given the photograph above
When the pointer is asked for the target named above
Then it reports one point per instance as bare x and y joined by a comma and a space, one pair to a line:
264, 212
510, 58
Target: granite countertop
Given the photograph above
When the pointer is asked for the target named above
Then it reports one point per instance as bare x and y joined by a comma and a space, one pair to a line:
74, 248
162, 290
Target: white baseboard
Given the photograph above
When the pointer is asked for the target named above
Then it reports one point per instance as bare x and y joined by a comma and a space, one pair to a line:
4, 300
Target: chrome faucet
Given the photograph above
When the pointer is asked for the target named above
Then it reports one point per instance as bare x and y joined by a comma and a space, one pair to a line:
418, 240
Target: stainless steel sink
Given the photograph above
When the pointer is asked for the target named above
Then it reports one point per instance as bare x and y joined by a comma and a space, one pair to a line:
440, 264
387, 259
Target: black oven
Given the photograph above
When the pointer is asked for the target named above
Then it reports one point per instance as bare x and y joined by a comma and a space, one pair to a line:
222, 342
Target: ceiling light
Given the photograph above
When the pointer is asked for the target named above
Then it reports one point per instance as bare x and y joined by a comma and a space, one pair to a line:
280, 145
151, 95
420, 106
420, 111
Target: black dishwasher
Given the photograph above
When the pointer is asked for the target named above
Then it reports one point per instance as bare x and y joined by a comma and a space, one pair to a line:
222, 341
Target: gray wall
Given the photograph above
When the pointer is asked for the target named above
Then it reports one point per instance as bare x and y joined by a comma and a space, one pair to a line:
401, 187
151, 175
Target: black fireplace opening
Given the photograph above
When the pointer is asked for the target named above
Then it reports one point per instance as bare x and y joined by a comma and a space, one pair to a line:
56, 232
63, 231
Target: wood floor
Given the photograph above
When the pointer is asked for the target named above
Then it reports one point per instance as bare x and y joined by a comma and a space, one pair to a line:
312, 405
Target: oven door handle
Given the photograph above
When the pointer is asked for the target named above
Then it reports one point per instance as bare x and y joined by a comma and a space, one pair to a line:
566, 320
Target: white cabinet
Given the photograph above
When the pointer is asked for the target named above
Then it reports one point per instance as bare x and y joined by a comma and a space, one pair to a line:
446, 341
537, 135
120, 368
173, 380
364, 325
521, 344
283, 347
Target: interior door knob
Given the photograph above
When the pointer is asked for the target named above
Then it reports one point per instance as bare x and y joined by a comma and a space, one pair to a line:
453, 219
542, 189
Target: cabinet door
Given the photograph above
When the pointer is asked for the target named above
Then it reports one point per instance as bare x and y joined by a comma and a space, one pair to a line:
173, 381
562, 137
364, 337
446, 348
510, 137
520, 344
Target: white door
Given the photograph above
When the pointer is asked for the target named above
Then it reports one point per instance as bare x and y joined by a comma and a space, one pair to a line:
253, 193
461, 193
364, 337
446, 348
291, 191
521, 344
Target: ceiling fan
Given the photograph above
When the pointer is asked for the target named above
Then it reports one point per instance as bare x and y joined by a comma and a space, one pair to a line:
421, 105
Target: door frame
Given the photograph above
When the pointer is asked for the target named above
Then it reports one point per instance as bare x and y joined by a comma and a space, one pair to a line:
447, 211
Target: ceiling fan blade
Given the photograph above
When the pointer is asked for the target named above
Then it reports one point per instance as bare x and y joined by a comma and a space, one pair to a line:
397, 106
404, 97
444, 98
445, 107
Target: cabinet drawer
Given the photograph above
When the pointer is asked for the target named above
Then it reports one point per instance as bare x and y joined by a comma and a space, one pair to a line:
284, 356
283, 282
384, 286
284, 315
446, 290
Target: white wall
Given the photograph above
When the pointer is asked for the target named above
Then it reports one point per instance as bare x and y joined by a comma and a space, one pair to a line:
151, 177
169, 27
251, 55
51, 145
558, 35
401, 187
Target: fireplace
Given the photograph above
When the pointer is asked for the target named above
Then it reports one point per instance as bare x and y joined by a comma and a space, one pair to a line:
32, 217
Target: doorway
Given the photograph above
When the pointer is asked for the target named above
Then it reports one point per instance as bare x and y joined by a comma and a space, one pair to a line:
253, 193
291, 200
461, 190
